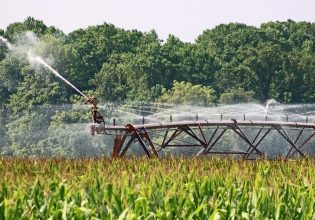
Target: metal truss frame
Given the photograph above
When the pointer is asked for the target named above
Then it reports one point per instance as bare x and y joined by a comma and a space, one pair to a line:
153, 139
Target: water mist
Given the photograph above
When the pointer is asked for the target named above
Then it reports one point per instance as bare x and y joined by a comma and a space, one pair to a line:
9, 45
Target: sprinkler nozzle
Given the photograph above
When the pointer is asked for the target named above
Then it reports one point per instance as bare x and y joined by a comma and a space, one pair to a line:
92, 100
97, 117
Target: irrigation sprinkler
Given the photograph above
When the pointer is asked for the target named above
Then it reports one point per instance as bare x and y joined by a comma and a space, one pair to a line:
98, 119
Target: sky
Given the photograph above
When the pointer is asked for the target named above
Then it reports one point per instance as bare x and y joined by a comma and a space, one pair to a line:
185, 19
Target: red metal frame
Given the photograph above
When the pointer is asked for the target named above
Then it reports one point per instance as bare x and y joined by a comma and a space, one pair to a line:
153, 139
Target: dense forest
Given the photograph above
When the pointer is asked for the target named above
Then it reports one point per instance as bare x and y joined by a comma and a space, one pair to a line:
227, 64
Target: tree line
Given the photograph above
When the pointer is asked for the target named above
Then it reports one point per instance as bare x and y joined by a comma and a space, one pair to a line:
275, 60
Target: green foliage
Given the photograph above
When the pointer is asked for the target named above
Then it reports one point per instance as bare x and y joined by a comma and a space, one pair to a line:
127, 65
95, 46
264, 62
237, 95
35, 90
187, 94
15, 30
288, 86
121, 79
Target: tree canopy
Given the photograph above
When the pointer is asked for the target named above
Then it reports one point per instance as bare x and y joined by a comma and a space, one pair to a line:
123, 65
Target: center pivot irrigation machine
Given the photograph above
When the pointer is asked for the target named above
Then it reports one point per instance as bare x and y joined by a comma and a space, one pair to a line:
203, 137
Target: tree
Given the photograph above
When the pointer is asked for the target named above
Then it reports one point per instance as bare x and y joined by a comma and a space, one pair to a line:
233, 75
10, 76
308, 65
287, 84
171, 55
16, 29
122, 78
236, 95
37, 88
188, 94
293, 82
96, 44
198, 66
226, 41
265, 63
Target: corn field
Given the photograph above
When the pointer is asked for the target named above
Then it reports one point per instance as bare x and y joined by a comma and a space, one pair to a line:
170, 188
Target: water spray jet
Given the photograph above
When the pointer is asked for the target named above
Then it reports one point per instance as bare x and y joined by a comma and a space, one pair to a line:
41, 61
98, 119
9, 45
268, 103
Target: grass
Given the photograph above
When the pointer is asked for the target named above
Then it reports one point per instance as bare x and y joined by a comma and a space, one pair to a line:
170, 188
